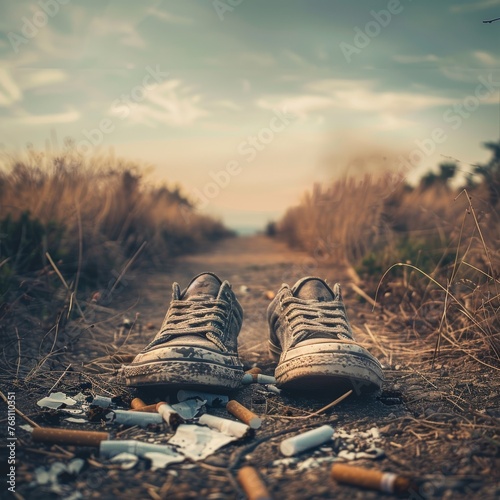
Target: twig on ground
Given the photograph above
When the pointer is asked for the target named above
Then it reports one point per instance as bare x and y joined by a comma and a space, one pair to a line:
60, 378
320, 411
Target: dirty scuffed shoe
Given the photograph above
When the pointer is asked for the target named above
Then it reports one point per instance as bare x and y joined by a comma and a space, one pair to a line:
311, 336
196, 346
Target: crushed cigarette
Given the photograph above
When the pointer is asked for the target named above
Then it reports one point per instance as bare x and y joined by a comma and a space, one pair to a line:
229, 427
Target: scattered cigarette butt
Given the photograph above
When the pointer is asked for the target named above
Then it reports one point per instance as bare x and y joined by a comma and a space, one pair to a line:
229, 427
255, 370
66, 436
252, 484
273, 389
269, 295
387, 482
137, 403
211, 399
141, 418
168, 414
147, 408
244, 414
309, 439
102, 401
257, 378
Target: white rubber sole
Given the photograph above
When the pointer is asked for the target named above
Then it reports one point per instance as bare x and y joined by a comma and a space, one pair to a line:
184, 367
328, 367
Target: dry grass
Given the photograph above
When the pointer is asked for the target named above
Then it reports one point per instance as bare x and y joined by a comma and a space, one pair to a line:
429, 254
95, 214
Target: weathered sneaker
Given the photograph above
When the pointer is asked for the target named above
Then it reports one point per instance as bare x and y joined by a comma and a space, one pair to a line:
311, 336
196, 346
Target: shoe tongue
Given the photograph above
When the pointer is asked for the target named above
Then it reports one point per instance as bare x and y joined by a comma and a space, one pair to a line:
205, 287
313, 289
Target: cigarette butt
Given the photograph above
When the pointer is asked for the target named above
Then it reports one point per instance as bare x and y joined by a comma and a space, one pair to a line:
211, 399
147, 408
66, 436
252, 484
102, 401
255, 370
168, 414
257, 378
305, 441
269, 295
224, 425
244, 414
272, 388
141, 418
137, 403
387, 482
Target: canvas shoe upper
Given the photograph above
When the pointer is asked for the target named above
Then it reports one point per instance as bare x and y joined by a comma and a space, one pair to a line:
197, 344
311, 335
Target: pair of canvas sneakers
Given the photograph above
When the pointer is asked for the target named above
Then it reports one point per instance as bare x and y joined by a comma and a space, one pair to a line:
310, 336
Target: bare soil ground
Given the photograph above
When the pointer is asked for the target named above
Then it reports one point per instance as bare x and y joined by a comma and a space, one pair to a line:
438, 422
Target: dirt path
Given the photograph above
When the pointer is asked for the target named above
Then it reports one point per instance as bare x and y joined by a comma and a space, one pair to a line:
423, 423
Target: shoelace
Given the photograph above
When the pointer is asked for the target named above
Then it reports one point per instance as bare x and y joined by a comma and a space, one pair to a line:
189, 317
323, 319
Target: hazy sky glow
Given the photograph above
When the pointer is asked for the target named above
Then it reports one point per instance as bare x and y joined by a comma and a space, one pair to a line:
246, 103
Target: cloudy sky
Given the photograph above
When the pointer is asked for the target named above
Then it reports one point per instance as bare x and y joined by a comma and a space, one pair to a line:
246, 103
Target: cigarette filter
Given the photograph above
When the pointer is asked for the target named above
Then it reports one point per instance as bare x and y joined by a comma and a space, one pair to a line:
252, 484
137, 418
257, 378
255, 370
305, 441
147, 408
229, 427
66, 436
102, 401
112, 448
168, 414
137, 403
244, 414
211, 399
273, 389
387, 482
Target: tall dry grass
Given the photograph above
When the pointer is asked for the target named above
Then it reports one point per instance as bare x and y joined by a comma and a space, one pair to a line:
92, 215
431, 250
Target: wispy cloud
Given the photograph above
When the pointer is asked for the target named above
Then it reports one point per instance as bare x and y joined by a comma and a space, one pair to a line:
170, 103
301, 105
69, 116
33, 79
351, 96
487, 59
168, 17
10, 92
475, 6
